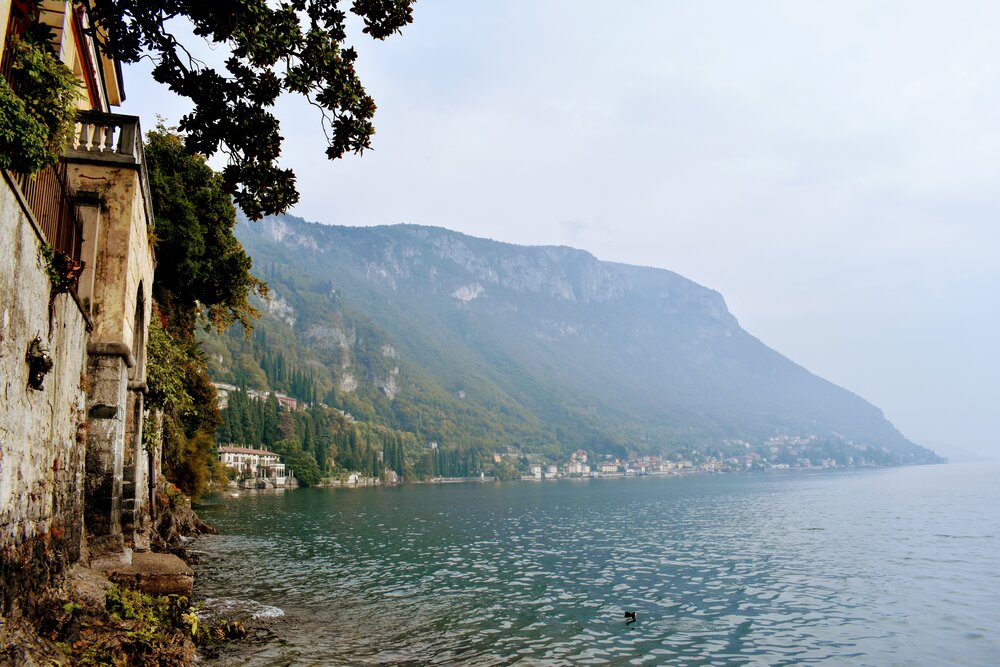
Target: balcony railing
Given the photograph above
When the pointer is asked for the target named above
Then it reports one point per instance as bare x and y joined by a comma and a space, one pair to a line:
110, 139
106, 137
47, 198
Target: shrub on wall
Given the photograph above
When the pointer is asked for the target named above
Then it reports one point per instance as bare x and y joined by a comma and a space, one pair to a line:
23, 140
37, 108
181, 389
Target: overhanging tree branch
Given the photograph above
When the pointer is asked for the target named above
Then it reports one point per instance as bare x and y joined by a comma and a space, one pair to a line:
298, 46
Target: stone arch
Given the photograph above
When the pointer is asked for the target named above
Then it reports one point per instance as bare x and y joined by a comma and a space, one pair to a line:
138, 371
138, 471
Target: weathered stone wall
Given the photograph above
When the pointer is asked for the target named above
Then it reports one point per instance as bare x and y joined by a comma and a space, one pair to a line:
42, 432
119, 287
124, 258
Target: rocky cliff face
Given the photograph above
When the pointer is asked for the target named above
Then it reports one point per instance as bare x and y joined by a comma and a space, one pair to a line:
550, 343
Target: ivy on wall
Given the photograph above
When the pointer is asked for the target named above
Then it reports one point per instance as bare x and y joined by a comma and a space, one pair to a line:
37, 106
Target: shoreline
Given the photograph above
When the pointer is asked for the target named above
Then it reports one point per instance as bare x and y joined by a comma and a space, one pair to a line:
375, 483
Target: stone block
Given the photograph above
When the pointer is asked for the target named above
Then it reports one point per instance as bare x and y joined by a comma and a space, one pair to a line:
157, 574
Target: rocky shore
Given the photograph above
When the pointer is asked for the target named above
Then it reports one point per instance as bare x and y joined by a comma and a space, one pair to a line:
139, 614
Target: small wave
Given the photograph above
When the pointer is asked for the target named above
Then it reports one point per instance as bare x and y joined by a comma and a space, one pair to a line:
268, 612
234, 609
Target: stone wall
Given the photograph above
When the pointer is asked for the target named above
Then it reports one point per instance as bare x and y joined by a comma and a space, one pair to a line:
123, 261
42, 431
117, 290
72, 461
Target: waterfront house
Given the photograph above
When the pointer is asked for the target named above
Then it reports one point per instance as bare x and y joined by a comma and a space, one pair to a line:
608, 467
76, 272
254, 464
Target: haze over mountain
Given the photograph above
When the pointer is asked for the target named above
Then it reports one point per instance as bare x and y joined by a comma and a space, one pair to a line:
476, 343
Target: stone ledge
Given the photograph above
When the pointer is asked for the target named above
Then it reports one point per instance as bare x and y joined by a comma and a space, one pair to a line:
158, 574
112, 350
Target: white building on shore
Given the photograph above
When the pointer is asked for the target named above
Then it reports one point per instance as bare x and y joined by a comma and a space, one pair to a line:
254, 464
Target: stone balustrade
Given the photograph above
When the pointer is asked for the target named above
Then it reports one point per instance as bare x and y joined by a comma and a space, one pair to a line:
106, 137
109, 140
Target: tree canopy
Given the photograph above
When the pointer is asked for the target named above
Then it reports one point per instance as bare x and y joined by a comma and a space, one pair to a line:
201, 266
297, 46
202, 271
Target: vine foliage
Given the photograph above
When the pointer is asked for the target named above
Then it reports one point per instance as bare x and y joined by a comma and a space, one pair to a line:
63, 271
37, 103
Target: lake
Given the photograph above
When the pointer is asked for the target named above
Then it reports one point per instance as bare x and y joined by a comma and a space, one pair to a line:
876, 567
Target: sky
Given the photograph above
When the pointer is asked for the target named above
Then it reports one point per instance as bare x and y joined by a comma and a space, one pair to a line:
831, 168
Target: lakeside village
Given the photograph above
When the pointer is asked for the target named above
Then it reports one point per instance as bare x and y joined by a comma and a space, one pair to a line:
252, 467
255, 468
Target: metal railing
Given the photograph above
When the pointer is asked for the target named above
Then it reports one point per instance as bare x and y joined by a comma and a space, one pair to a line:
50, 203
45, 193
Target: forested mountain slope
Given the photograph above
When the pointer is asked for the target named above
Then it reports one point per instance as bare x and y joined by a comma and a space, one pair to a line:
483, 345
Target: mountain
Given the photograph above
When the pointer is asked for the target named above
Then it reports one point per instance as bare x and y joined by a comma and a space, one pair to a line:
474, 343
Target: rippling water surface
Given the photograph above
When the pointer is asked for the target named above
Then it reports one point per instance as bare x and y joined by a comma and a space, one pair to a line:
879, 567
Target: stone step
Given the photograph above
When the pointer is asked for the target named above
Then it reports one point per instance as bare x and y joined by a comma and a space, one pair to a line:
158, 574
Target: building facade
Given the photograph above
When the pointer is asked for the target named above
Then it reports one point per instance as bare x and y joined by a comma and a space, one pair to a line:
254, 464
75, 472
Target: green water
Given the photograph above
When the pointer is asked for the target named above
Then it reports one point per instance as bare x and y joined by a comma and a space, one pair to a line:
882, 567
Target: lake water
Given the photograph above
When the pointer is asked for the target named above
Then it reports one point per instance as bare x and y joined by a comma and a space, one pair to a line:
875, 567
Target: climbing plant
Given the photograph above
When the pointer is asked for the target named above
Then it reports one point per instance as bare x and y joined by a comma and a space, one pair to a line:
179, 388
167, 360
37, 106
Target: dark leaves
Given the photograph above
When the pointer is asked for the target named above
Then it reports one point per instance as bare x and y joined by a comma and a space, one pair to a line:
384, 17
200, 263
296, 46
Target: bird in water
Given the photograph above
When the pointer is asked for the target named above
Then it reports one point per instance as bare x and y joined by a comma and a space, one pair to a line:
630, 617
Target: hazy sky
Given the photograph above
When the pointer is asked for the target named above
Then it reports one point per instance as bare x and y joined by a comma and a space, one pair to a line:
831, 168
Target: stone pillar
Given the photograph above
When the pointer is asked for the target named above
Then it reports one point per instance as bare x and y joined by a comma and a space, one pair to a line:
133, 418
155, 458
136, 479
107, 366
88, 206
